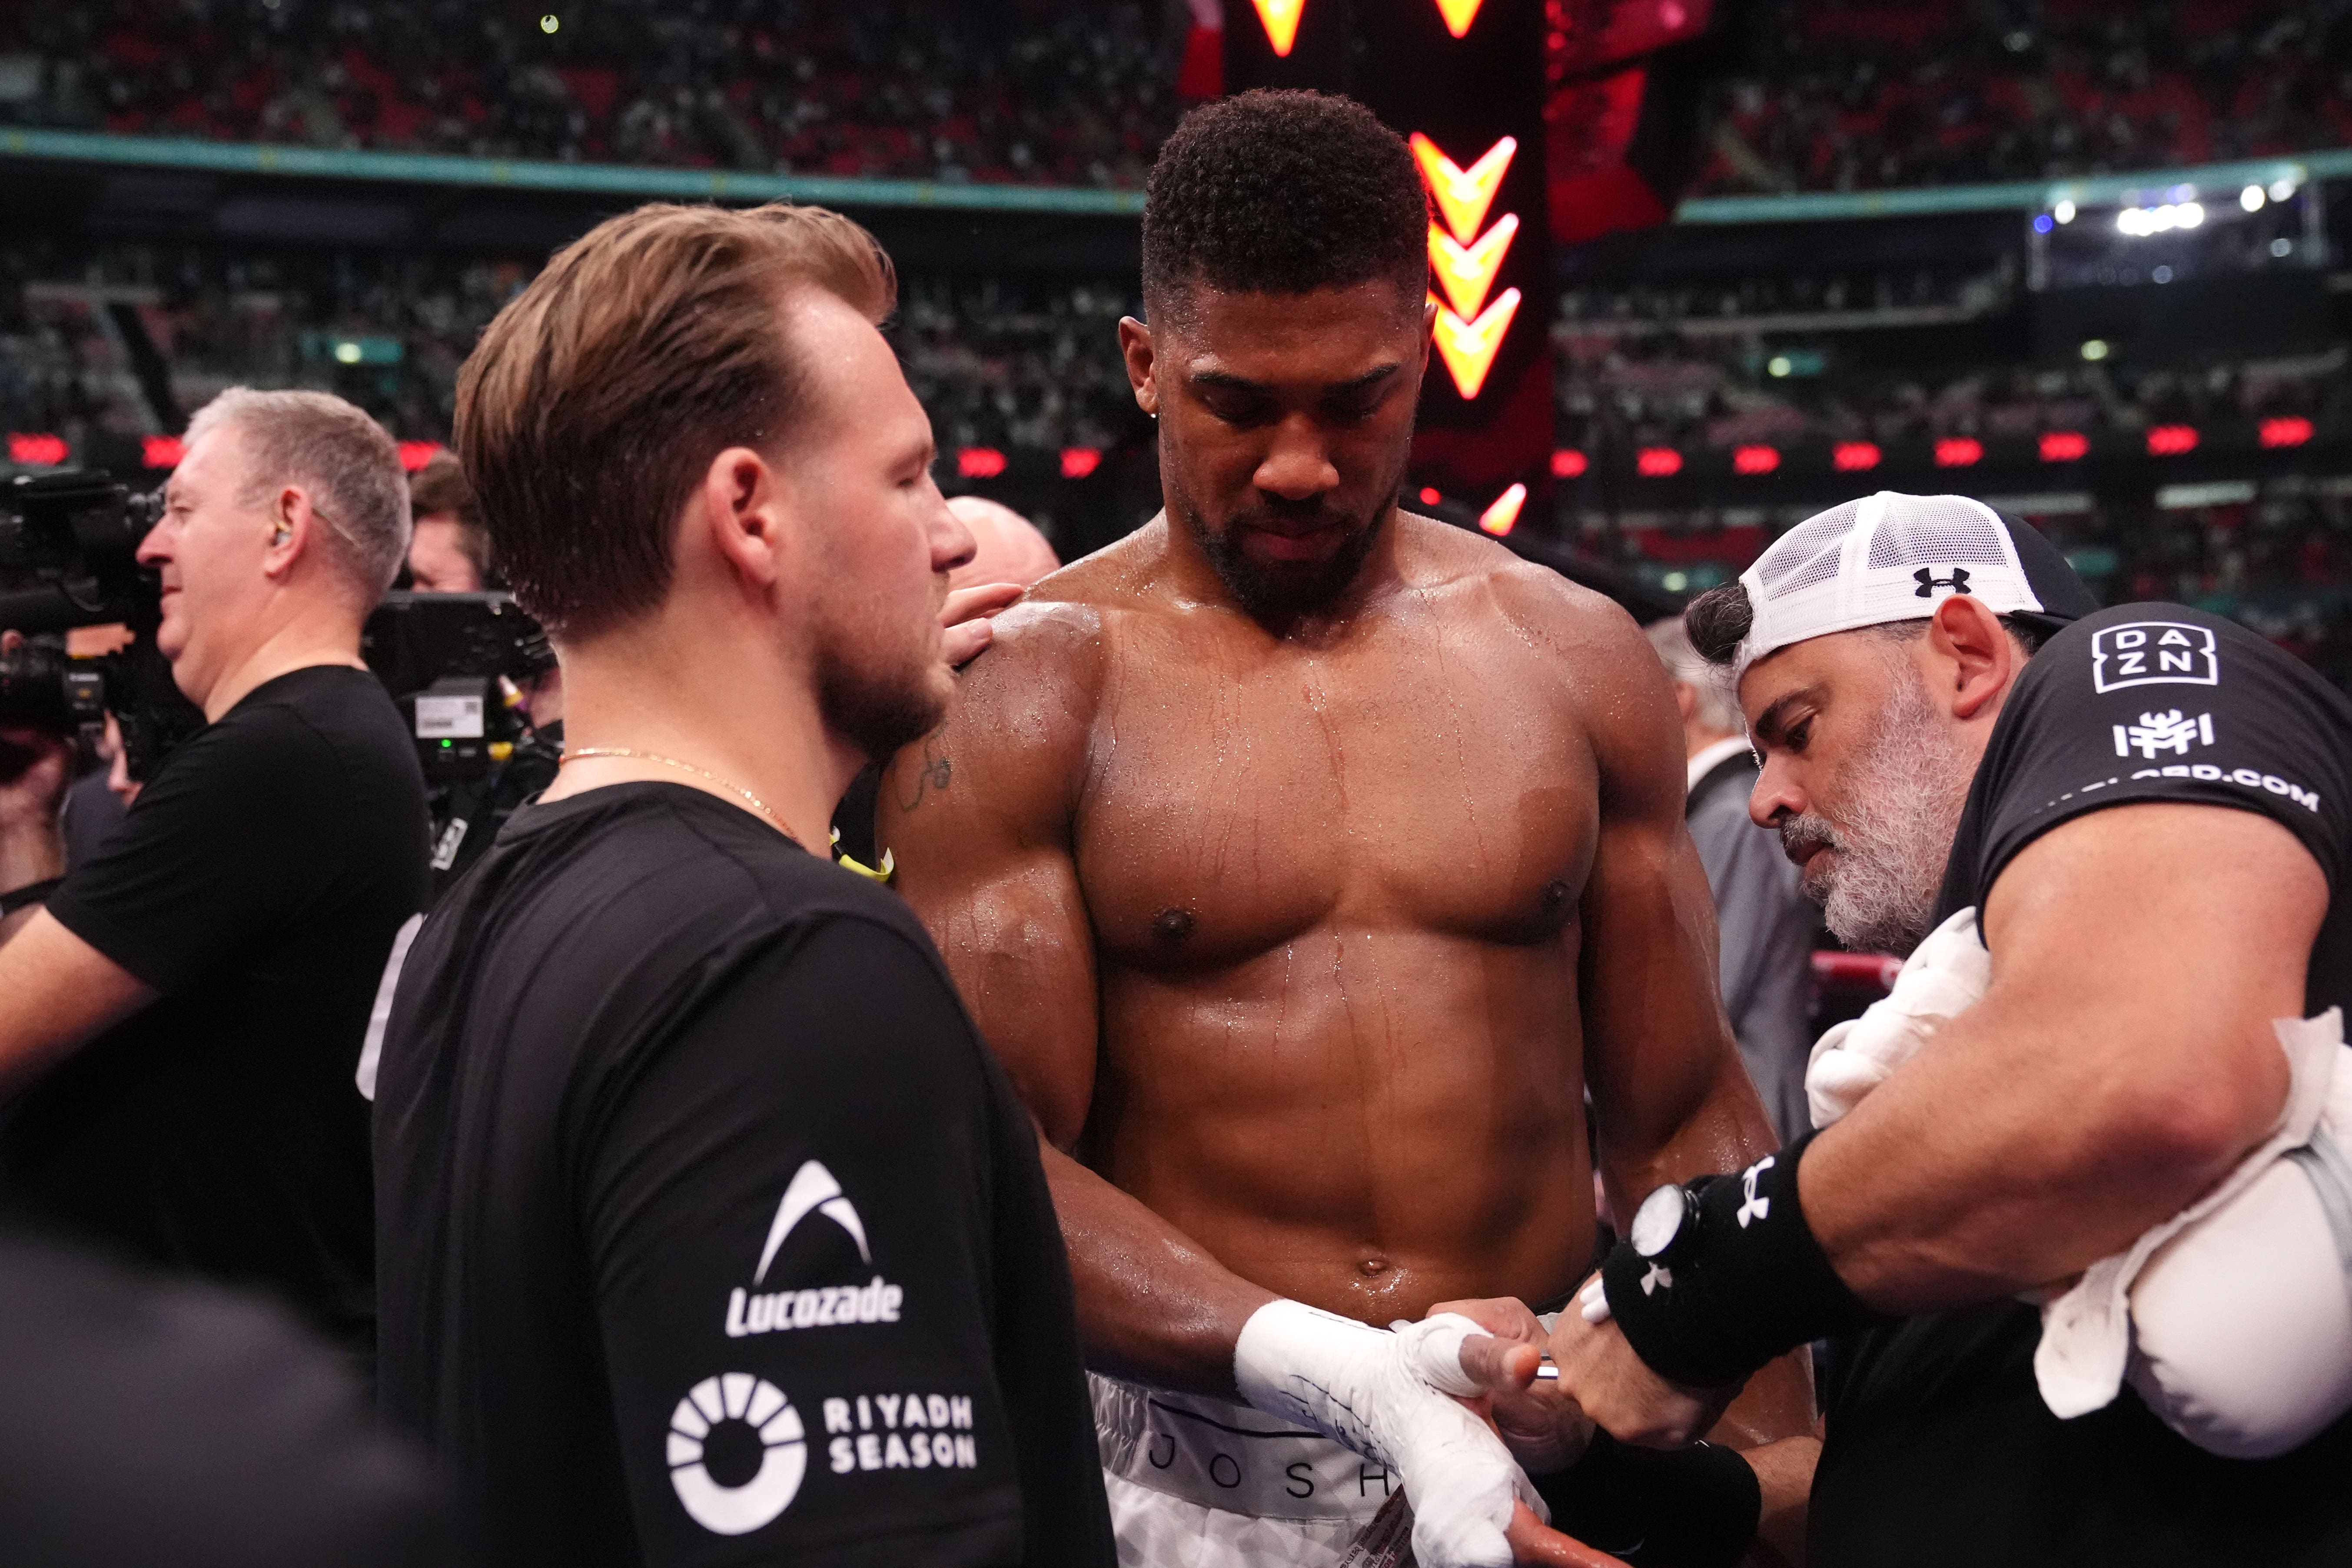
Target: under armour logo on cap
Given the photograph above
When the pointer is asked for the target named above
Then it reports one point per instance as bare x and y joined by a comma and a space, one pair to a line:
1928, 581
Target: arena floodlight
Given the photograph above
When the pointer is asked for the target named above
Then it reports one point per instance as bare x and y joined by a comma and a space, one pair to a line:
2095, 349
2064, 212
2189, 214
2252, 198
1779, 364
2281, 189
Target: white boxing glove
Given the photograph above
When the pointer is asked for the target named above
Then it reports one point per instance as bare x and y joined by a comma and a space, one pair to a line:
1386, 1395
1944, 976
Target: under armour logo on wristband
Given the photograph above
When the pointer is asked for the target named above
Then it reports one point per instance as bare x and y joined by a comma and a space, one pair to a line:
1659, 1277
1755, 1207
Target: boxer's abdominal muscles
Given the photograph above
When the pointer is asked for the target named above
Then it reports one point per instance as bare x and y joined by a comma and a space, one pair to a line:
1371, 1121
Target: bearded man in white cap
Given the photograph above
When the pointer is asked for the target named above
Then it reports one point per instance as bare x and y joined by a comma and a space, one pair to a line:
2150, 808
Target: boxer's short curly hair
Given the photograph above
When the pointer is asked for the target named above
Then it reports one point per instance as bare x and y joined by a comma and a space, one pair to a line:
1283, 192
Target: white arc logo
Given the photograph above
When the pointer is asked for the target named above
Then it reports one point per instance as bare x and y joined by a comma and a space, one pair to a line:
783, 1457
1755, 1207
813, 1191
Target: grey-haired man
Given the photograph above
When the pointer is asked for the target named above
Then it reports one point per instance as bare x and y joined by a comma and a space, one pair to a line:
2151, 812
179, 1024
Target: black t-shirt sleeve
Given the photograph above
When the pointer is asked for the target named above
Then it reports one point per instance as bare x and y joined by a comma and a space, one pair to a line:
788, 1209
233, 835
2159, 703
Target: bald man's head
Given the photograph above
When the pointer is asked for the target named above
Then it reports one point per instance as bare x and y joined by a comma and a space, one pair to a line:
1010, 549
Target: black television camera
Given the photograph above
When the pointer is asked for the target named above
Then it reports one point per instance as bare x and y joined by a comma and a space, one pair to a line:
68, 558
457, 666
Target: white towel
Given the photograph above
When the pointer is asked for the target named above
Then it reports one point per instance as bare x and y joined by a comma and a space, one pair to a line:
2232, 1318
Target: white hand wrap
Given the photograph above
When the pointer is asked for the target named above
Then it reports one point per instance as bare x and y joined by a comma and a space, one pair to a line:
1385, 1394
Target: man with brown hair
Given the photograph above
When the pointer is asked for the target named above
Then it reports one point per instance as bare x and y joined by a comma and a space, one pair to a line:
710, 1231
448, 549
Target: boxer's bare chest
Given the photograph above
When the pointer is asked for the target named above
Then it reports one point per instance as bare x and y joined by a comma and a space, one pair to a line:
1428, 772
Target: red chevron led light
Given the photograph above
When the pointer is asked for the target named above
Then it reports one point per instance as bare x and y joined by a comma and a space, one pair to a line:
1458, 14
1503, 515
2171, 440
1854, 456
161, 451
1466, 272
2064, 446
1755, 460
1463, 194
1958, 452
1567, 463
1468, 348
1280, 19
2286, 430
1077, 462
36, 449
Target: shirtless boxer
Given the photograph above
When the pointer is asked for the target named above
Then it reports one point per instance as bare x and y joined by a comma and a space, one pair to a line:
1305, 861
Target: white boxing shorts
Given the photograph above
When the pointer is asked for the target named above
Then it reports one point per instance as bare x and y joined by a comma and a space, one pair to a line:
1204, 1483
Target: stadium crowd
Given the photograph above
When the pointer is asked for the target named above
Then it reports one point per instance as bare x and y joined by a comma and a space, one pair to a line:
1039, 91
1875, 95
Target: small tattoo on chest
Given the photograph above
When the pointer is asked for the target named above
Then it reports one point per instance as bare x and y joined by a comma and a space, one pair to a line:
932, 773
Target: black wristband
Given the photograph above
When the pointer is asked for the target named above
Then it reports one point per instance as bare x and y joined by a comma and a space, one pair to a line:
1747, 1282
30, 893
1691, 1508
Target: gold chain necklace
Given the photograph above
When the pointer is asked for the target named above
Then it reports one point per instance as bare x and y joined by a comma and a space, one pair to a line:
576, 752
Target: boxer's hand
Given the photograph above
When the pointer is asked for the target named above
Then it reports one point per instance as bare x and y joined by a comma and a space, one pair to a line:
965, 617
1533, 1541
1397, 1397
1543, 1427
1613, 1385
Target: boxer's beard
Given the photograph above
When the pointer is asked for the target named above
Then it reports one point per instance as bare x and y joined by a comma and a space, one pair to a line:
1265, 589
1904, 792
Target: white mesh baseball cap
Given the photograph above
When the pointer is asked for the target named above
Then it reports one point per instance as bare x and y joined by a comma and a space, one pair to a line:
1892, 557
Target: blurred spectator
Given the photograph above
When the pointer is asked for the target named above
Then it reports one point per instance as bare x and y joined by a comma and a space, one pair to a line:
1007, 547
1768, 928
448, 549
151, 1420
